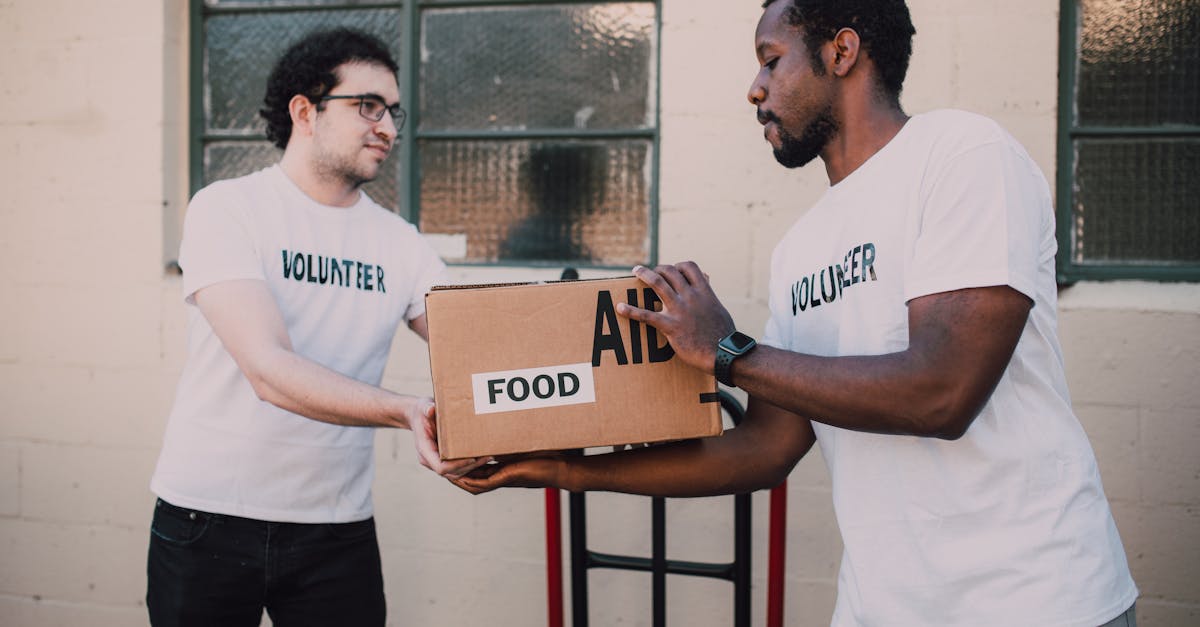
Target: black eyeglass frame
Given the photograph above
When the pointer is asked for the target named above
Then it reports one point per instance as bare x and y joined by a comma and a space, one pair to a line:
399, 115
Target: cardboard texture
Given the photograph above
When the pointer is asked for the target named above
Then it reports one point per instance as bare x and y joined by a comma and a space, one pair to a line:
551, 366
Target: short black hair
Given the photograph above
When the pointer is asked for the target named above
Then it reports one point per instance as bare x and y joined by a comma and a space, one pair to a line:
307, 68
884, 27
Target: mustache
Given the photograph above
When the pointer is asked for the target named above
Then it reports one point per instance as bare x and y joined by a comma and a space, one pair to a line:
766, 116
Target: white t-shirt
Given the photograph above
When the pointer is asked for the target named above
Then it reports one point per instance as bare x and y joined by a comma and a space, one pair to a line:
1009, 524
344, 279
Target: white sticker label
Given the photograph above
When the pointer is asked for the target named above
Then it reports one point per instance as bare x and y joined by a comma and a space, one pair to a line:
530, 388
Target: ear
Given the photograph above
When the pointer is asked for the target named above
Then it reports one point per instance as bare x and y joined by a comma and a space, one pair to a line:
304, 114
843, 50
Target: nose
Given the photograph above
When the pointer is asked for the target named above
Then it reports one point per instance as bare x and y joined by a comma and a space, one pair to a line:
757, 92
385, 128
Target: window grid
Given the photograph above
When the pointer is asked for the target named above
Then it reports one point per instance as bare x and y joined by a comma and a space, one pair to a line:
202, 138
1072, 137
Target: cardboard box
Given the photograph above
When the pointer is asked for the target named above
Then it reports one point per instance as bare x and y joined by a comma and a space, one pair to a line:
551, 366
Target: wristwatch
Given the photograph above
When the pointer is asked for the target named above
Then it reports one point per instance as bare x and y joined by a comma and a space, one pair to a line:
730, 348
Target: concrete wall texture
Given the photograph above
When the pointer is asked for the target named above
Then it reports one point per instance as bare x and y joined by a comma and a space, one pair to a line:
92, 173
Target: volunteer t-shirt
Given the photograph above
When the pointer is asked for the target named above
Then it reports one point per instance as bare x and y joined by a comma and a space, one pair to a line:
1009, 524
344, 279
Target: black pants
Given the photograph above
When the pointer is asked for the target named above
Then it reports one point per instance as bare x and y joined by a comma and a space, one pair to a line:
210, 569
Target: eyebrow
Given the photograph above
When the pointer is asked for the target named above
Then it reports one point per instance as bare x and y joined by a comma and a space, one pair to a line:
374, 95
371, 94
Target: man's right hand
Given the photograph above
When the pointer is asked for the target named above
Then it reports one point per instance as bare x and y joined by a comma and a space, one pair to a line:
539, 470
758, 454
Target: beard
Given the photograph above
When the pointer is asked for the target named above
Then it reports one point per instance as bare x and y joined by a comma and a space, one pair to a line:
347, 171
344, 167
794, 152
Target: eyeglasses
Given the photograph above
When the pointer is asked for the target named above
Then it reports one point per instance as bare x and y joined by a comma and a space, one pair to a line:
373, 107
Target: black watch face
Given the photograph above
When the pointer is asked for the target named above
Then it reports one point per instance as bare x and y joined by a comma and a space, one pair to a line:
740, 341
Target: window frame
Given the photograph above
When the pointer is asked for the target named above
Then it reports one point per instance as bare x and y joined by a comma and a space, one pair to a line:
409, 192
1068, 270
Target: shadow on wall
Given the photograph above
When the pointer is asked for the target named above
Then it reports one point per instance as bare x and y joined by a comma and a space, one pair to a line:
565, 186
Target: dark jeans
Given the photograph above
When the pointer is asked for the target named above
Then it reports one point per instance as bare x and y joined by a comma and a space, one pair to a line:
1128, 618
210, 569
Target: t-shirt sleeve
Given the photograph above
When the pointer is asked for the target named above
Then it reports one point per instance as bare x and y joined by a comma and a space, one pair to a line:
980, 223
217, 246
431, 271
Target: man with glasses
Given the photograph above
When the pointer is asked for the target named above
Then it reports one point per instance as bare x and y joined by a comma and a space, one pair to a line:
296, 283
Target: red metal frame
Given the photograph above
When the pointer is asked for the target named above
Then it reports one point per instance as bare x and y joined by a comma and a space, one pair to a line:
776, 554
554, 575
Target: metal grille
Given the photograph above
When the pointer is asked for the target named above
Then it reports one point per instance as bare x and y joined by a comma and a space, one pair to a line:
1139, 62
1137, 201
523, 67
540, 201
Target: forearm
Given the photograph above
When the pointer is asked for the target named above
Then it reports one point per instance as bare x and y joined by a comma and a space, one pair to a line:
290, 381
759, 454
670, 470
244, 316
895, 393
959, 344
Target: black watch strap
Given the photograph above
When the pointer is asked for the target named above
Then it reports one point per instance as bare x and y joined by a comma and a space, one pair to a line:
724, 366
730, 348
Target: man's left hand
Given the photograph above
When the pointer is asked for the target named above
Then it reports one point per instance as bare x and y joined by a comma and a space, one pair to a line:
423, 422
692, 317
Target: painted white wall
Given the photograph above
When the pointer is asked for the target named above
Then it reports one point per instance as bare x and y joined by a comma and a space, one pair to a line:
92, 183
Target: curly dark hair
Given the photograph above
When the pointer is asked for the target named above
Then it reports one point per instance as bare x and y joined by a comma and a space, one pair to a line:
884, 27
307, 68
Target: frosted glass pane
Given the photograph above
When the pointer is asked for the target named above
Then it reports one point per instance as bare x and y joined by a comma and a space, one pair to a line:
1137, 201
545, 66
241, 48
584, 202
1139, 62
226, 160
285, 3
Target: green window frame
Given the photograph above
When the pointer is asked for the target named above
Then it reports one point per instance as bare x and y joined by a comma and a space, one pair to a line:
408, 144
1171, 137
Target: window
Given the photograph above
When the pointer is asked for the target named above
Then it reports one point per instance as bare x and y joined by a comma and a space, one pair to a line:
532, 132
1129, 140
